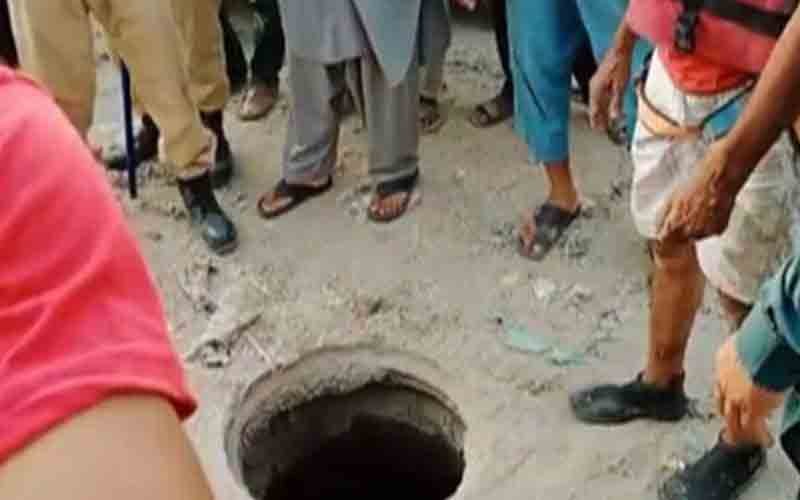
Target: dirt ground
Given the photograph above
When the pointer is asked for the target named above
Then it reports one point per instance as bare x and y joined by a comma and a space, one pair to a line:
508, 338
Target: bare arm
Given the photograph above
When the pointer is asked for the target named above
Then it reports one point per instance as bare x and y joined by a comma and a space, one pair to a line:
128, 448
611, 79
773, 107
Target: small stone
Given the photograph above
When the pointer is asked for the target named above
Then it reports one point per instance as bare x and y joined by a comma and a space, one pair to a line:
461, 174
544, 289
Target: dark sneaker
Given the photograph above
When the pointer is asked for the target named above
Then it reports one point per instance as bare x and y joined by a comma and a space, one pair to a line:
722, 473
618, 404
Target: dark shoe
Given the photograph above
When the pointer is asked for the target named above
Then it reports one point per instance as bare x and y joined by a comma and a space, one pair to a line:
618, 404
721, 474
204, 210
146, 145
259, 100
222, 170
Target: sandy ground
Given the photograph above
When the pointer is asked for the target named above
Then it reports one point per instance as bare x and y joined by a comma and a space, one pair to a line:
445, 284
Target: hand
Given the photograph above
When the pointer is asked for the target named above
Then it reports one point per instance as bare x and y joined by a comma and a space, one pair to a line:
702, 207
744, 406
468, 4
607, 89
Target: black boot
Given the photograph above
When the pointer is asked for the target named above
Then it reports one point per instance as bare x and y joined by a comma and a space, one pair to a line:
204, 210
222, 171
618, 404
146, 145
721, 474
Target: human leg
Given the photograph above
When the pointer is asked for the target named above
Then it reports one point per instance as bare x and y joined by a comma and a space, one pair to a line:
312, 137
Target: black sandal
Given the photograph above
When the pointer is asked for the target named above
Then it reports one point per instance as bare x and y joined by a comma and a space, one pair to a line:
431, 118
551, 223
404, 185
490, 113
296, 193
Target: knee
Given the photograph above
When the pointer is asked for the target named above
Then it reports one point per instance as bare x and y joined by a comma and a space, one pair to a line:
677, 257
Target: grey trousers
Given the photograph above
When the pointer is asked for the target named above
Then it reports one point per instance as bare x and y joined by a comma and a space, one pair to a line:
391, 115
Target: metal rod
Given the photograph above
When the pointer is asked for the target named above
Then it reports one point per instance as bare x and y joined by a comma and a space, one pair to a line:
130, 142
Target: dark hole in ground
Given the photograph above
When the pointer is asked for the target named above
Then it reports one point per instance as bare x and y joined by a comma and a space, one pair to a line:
381, 441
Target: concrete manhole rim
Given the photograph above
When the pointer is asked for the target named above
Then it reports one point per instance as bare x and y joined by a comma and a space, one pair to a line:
334, 371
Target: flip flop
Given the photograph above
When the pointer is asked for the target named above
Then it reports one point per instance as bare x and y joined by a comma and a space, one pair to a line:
383, 190
551, 224
431, 118
491, 113
297, 195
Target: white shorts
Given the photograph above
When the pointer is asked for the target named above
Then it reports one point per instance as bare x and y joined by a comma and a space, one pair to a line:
757, 237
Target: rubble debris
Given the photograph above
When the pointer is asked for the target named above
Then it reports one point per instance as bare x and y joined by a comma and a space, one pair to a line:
194, 281
213, 350
538, 387
544, 289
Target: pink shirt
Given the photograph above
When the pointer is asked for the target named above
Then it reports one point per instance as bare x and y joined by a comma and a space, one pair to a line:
80, 317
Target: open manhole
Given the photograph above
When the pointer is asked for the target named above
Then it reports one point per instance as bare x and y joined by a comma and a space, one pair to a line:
335, 426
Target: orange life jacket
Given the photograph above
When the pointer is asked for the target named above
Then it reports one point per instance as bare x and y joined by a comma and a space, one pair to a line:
736, 33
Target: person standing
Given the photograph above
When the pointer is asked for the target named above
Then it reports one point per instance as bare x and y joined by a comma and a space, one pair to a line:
203, 60
434, 39
546, 36
372, 48
58, 52
262, 87
501, 107
204, 63
689, 102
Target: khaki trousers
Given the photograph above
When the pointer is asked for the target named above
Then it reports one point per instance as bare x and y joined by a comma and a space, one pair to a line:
203, 51
58, 51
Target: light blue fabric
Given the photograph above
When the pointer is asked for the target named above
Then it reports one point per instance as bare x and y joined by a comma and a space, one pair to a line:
545, 36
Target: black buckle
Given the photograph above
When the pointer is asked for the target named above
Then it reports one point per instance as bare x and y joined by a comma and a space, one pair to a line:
685, 30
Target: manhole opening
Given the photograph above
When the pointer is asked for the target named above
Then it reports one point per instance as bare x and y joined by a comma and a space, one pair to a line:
382, 440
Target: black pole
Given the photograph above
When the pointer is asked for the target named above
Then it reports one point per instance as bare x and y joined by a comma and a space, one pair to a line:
130, 142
